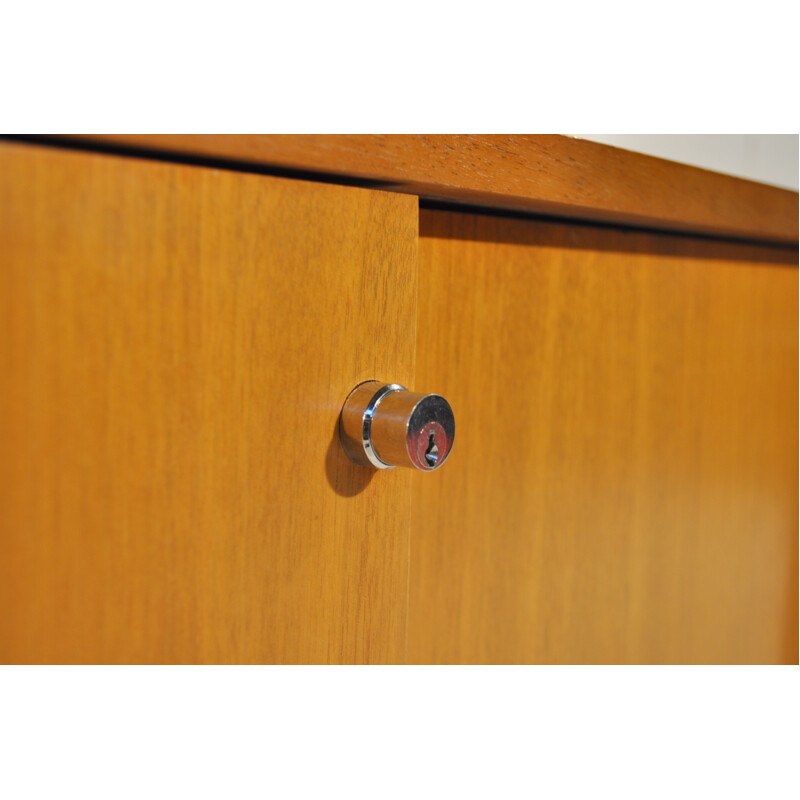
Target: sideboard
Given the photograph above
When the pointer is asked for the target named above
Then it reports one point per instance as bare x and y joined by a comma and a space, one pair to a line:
184, 316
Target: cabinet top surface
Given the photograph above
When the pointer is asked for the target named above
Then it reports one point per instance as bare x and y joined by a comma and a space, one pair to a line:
540, 174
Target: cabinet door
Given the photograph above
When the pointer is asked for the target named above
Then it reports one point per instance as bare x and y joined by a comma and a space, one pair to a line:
176, 346
623, 486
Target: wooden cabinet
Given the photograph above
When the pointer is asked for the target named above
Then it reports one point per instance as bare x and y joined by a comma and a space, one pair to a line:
177, 344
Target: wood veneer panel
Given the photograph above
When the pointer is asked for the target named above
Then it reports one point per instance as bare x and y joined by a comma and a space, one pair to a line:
546, 174
176, 345
623, 487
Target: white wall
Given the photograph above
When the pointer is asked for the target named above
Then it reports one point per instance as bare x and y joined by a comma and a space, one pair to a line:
768, 158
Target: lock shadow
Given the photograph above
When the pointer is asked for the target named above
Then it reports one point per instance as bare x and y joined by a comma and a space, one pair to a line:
346, 478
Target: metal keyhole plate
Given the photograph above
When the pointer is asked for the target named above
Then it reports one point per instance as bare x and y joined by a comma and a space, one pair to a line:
383, 425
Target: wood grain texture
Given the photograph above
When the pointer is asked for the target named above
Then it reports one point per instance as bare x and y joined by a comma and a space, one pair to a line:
623, 487
176, 346
546, 174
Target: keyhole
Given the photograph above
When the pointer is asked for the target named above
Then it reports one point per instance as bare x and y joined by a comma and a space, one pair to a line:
432, 453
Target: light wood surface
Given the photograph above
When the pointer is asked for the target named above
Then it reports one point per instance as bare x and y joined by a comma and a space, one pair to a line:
545, 174
176, 346
623, 487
